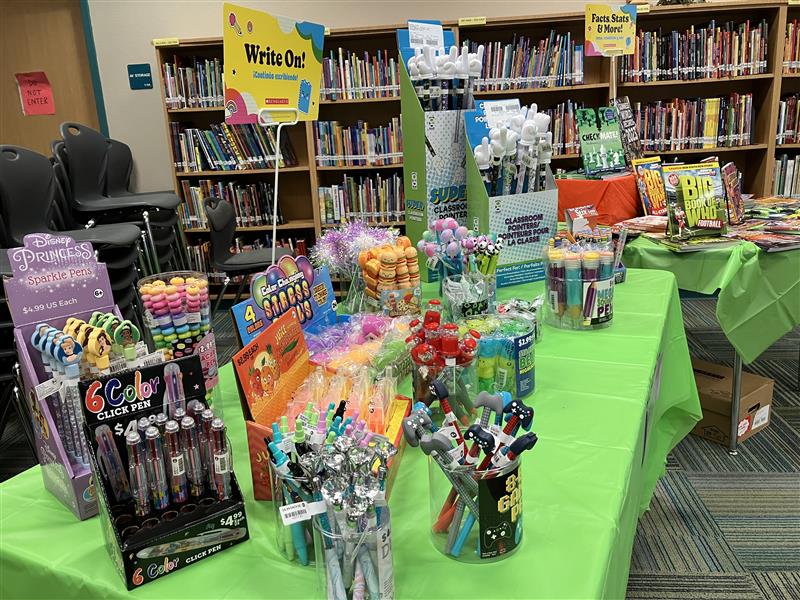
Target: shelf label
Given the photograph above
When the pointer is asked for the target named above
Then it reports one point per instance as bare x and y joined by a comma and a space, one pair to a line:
467, 21
160, 42
644, 7
327, 31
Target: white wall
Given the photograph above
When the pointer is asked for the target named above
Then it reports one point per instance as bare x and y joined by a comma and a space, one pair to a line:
123, 30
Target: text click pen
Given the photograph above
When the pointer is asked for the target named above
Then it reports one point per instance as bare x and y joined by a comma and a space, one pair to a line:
137, 474
221, 460
194, 464
176, 463
156, 473
110, 464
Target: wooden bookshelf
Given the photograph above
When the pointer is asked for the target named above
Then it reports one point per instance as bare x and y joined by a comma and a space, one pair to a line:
298, 184
298, 196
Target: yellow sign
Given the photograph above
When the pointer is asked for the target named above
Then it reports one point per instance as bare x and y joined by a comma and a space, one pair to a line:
272, 63
158, 42
466, 21
610, 29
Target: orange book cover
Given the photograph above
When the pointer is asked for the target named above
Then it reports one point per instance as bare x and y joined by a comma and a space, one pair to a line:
271, 367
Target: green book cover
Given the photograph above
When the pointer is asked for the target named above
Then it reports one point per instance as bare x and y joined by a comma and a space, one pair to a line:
601, 141
695, 201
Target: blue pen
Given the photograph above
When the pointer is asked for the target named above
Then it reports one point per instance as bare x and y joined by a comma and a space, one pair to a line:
277, 437
280, 461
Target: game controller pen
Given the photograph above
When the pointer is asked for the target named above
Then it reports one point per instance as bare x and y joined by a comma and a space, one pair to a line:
194, 463
137, 474
157, 476
176, 462
221, 460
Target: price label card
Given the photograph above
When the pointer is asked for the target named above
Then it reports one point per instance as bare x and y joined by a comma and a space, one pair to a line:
300, 511
425, 34
46, 388
498, 112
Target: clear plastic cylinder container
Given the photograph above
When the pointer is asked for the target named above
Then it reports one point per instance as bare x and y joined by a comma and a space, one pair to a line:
354, 555
177, 317
475, 516
295, 540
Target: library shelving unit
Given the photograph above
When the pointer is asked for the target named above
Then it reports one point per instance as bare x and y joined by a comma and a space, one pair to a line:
754, 160
789, 85
594, 90
299, 185
298, 195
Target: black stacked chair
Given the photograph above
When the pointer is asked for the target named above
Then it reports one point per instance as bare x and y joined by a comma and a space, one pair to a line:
222, 225
29, 200
84, 162
167, 233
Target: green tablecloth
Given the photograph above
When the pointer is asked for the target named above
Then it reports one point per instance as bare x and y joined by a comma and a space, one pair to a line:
759, 292
603, 441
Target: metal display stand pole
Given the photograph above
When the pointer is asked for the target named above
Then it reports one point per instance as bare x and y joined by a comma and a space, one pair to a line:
262, 112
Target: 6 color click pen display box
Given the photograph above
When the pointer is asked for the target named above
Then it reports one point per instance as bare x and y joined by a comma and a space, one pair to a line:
166, 487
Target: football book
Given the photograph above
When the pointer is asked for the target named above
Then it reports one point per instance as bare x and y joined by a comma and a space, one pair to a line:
695, 201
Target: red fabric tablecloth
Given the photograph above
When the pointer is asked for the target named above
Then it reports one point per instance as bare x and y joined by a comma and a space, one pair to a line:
615, 199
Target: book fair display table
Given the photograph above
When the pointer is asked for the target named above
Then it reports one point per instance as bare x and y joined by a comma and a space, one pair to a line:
609, 406
615, 198
759, 293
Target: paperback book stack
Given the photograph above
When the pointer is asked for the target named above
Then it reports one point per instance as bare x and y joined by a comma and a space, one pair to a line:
711, 52
194, 86
695, 123
226, 147
791, 47
350, 75
251, 202
357, 145
554, 61
564, 125
373, 199
788, 115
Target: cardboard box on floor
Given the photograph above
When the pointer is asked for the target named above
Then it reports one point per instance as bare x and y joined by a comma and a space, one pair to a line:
714, 385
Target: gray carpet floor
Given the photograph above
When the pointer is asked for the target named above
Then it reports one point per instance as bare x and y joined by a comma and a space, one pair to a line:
719, 527
724, 527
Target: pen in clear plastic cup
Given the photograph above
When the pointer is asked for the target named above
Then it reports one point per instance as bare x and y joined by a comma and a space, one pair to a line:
137, 474
176, 462
194, 463
221, 460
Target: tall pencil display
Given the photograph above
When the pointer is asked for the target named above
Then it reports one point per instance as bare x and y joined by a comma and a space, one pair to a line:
511, 194
432, 97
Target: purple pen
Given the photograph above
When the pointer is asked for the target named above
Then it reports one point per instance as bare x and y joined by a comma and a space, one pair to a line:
156, 473
366, 439
137, 474
194, 463
176, 462
221, 460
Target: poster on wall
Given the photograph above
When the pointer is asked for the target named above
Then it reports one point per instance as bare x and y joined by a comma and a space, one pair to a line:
35, 93
610, 29
270, 62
